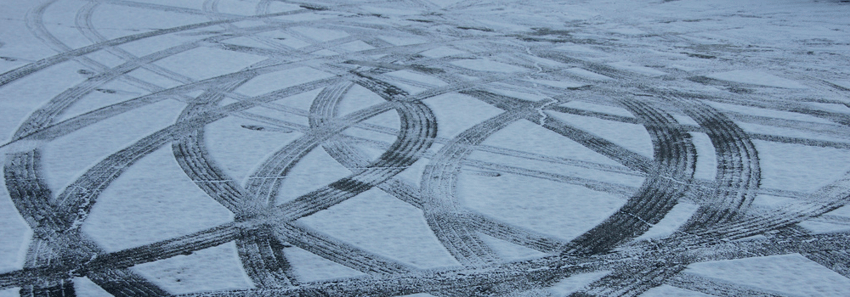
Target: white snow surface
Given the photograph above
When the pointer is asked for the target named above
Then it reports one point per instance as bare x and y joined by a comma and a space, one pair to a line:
757, 78
778, 69
790, 274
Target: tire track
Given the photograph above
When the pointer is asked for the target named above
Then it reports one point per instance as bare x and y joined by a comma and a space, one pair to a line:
825, 199
326, 106
266, 266
674, 157
737, 168
442, 212
410, 145
673, 152
31, 68
52, 244
338, 251
552, 267
724, 214
64, 214
262, 257
631, 280
544, 271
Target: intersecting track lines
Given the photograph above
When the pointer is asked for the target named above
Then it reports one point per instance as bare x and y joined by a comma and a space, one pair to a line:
263, 229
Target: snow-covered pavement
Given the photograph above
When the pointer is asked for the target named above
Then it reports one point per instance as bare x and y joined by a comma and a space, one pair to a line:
425, 148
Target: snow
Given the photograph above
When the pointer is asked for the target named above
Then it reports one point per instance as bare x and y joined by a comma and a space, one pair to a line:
310, 268
757, 78
444, 3
524, 136
15, 233
238, 150
59, 13
413, 174
325, 52
557, 209
816, 227
768, 112
85, 287
356, 46
380, 223
628, 31
833, 107
12, 292
418, 77
799, 168
67, 157
356, 99
214, 268
147, 46
198, 63
672, 221
387, 120
400, 41
125, 20
315, 170
793, 132
574, 283
580, 49
615, 110
587, 74
277, 80
453, 113
790, 274
140, 207
771, 201
487, 65
631, 136
107, 94
666, 290
564, 84
321, 35
284, 39
789, 55
154, 78
629, 66
442, 51
509, 251
38, 90
706, 167
502, 89
237, 7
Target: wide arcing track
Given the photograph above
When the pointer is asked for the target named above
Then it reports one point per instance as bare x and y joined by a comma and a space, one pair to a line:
409, 61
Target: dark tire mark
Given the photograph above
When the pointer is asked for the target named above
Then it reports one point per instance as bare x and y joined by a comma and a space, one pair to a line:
442, 211
631, 280
262, 257
674, 158
737, 168
31, 68
326, 105
262, 231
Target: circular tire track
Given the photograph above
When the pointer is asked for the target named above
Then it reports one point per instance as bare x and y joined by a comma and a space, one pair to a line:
262, 230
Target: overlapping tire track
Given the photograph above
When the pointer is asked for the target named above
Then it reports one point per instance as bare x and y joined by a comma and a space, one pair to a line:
442, 211
674, 158
60, 218
326, 106
255, 253
53, 245
261, 256
31, 68
268, 228
738, 169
